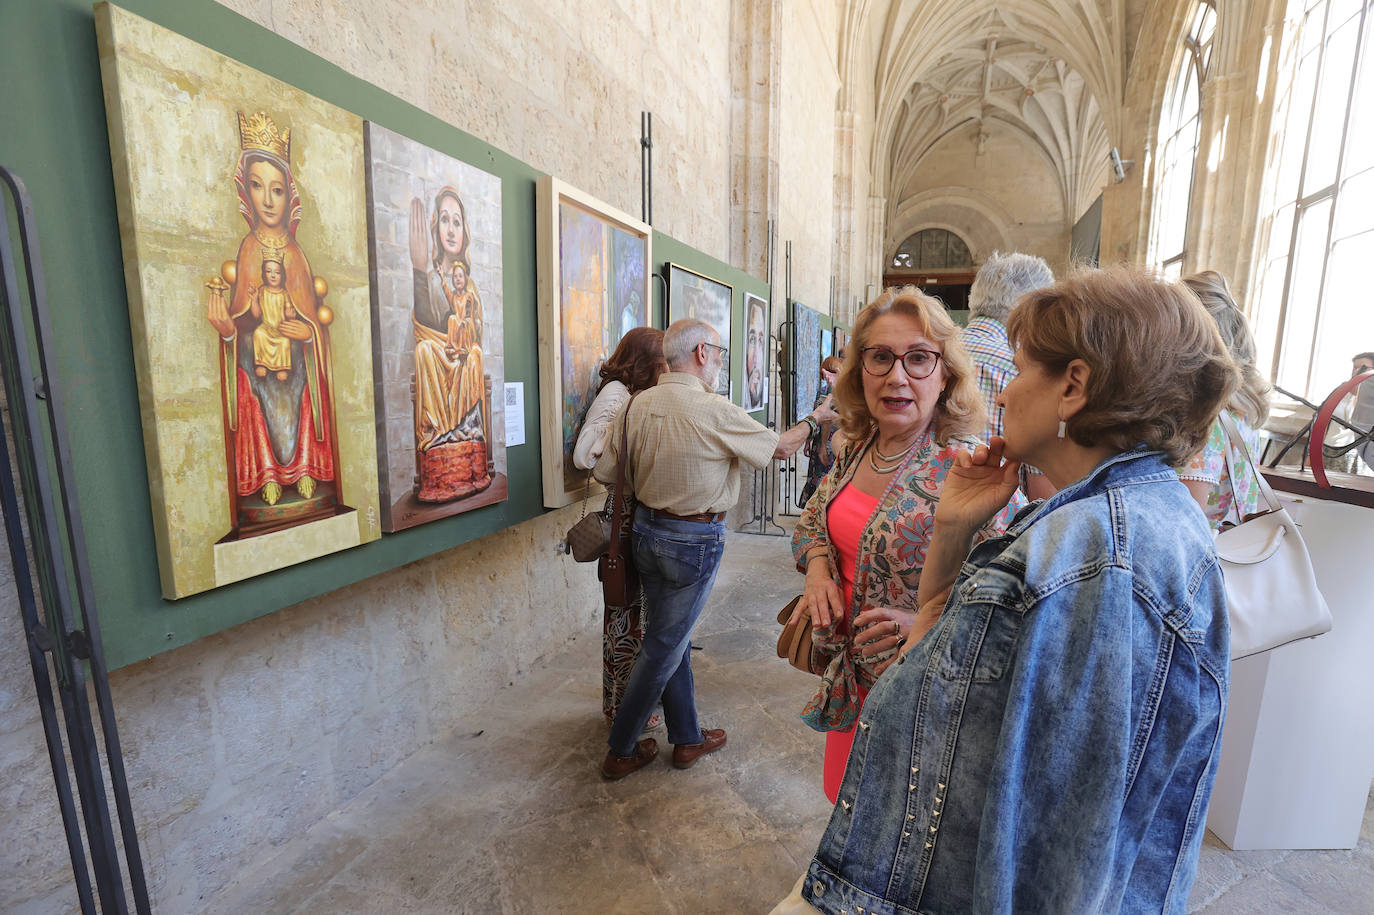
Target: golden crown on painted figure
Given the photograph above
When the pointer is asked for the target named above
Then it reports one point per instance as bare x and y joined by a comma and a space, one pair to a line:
275, 255
258, 131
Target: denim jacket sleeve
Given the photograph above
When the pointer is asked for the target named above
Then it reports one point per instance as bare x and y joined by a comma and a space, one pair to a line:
1050, 745
1081, 811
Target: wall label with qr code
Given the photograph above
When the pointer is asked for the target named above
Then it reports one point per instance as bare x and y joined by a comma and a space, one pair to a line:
515, 413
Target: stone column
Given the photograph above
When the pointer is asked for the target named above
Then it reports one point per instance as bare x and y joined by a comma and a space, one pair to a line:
877, 231
844, 257
755, 80
1233, 149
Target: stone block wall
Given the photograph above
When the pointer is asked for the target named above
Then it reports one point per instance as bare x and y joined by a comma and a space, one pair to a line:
559, 84
239, 741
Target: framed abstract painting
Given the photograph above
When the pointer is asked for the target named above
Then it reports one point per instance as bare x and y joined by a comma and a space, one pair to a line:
593, 265
242, 218
434, 226
695, 295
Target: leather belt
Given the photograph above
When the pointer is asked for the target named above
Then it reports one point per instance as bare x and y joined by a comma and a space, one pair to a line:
699, 517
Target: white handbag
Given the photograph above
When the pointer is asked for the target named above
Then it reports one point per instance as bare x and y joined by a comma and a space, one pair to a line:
1271, 590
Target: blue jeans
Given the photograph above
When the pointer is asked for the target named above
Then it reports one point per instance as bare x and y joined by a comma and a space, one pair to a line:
677, 563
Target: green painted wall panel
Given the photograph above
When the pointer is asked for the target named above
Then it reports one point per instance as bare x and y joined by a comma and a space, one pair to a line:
55, 138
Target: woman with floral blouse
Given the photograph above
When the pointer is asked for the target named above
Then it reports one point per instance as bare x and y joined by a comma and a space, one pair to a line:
908, 404
1205, 473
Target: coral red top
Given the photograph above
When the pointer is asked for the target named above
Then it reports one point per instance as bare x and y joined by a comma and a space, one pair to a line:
845, 520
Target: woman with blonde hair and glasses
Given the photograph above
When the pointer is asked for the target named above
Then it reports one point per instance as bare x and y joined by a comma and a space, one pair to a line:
908, 404
1205, 473
1048, 740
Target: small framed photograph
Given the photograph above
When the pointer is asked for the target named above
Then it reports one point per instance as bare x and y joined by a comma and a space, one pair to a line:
755, 352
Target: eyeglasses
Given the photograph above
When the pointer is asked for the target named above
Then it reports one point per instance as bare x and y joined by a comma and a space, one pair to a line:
918, 363
723, 349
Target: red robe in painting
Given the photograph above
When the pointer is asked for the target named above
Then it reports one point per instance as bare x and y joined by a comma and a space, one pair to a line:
281, 430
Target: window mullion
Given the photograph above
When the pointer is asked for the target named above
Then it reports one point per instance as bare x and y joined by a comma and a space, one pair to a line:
1281, 331
1333, 189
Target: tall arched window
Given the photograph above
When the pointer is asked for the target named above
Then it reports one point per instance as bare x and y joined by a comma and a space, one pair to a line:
1313, 305
1177, 143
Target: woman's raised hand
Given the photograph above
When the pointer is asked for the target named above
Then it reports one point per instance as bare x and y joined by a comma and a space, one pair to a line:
978, 486
419, 236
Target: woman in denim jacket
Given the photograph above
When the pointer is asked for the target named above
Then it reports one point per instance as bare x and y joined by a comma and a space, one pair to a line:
1049, 738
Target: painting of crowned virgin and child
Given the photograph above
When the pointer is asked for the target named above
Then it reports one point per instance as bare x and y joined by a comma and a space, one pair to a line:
435, 225
249, 304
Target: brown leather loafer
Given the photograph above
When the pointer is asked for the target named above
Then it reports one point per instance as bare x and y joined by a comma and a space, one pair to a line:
685, 755
615, 767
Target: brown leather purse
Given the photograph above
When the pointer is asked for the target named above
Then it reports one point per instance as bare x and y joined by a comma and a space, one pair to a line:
794, 643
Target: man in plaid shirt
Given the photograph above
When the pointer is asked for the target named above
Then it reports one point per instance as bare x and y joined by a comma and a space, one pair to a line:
1000, 283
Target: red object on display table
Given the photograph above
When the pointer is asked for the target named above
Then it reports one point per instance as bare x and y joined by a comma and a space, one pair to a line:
1318, 435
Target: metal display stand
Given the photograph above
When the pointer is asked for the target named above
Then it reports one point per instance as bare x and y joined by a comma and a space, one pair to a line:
789, 474
53, 581
766, 485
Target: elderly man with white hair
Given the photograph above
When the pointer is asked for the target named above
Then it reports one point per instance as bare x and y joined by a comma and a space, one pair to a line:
684, 446
996, 289
1000, 283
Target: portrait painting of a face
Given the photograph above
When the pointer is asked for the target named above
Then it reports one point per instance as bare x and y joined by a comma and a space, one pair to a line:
435, 240
248, 297
694, 295
755, 352
593, 287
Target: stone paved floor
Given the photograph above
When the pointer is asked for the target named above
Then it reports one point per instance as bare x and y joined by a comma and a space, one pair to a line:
509, 815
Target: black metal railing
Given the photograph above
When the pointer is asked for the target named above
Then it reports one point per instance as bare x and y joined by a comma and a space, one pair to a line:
53, 581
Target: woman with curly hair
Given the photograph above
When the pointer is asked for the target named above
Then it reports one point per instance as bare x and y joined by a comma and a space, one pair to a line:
908, 403
1205, 473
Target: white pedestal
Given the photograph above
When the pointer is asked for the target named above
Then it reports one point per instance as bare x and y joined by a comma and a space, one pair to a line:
1298, 749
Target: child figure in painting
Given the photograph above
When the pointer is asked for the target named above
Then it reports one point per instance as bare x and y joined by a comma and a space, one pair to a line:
271, 305
465, 324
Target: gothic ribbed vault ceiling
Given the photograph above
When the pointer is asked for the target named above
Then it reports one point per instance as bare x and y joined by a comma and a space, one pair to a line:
1053, 69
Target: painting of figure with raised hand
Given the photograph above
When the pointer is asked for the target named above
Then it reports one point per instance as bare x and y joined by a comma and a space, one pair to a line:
436, 261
